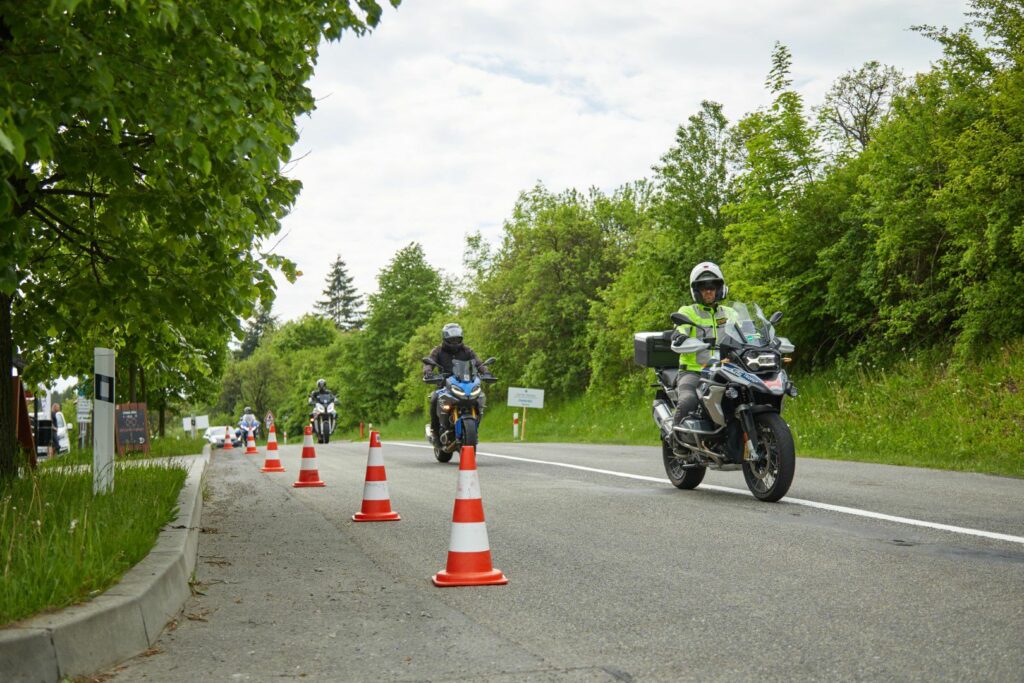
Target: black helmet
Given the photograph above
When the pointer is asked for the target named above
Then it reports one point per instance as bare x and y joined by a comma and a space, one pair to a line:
451, 337
321, 384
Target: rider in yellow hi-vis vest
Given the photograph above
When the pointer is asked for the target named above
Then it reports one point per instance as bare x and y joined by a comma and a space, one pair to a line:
708, 288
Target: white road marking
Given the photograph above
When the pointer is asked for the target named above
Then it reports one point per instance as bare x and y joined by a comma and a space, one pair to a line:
792, 501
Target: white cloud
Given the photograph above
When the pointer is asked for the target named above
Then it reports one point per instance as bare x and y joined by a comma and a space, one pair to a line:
430, 127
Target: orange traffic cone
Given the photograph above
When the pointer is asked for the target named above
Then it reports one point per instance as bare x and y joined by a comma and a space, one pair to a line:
308, 474
272, 463
250, 445
469, 555
227, 439
376, 501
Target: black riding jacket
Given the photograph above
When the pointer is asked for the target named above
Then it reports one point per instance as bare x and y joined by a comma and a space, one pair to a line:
444, 357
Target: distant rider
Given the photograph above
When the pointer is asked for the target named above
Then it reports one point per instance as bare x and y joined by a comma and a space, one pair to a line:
246, 423
322, 395
321, 392
450, 349
708, 288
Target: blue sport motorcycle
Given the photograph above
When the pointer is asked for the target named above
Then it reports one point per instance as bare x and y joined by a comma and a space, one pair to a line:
459, 402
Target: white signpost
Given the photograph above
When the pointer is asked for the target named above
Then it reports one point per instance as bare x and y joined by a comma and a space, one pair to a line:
103, 429
83, 408
195, 423
525, 398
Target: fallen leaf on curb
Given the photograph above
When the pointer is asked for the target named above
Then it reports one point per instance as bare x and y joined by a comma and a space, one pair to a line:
198, 616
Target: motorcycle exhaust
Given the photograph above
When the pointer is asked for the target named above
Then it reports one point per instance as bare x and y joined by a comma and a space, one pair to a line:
662, 417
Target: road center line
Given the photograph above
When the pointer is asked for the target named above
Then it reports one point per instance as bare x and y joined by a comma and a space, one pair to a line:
791, 501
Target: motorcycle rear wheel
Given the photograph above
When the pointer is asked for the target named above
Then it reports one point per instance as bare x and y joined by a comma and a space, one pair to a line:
688, 478
769, 479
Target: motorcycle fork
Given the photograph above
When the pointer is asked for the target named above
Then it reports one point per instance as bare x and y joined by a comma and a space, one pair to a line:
750, 430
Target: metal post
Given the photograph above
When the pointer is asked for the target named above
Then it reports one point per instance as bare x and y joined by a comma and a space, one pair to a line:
524, 425
103, 423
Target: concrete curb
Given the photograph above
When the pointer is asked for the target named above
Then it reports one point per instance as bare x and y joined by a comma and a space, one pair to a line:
122, 622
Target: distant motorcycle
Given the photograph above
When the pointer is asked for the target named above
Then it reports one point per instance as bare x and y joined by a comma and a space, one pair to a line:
324, 418
738, 422
247, 427
458, 405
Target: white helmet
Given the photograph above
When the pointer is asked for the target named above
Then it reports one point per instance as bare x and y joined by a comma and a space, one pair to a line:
707, 271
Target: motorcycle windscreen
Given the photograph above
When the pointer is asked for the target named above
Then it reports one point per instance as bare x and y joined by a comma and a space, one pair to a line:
463, 370
745, 324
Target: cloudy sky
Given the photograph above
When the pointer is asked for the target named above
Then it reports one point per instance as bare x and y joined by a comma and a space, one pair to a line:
429, 128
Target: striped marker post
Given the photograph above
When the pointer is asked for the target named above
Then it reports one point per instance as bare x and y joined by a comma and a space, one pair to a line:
272, 463
308, 474
376, 501
469, 554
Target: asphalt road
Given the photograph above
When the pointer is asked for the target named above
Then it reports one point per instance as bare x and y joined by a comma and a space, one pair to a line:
613, 575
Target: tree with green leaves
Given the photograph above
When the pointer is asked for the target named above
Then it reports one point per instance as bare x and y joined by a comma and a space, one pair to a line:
856, 103
409, 293
141, 147
943, 192
683, 226
262, 323
532, 300
341, 304
767, 256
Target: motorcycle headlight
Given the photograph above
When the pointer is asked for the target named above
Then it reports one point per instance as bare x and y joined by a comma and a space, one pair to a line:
457, 390
475, 392
759, 360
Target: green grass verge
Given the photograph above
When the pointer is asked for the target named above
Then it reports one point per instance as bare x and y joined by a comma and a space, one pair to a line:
920, 412
60, 545
158, 448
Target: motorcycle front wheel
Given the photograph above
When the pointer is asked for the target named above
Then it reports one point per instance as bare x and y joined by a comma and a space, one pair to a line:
469, 435
769, 479
439, 452
681, 478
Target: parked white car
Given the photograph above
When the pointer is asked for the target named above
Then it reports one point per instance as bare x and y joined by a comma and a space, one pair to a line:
43, 428
215, 436
63, 440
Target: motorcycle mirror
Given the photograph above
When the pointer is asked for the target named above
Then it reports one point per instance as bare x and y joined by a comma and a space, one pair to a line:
680, 319
776, 317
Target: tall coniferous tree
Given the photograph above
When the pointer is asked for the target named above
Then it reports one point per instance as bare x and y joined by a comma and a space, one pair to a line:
341, 304
262, 322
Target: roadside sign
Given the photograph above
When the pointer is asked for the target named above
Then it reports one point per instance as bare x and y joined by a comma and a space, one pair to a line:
132, 432
525, 398
269, 419
83, 410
